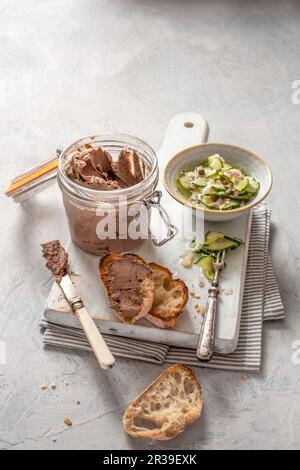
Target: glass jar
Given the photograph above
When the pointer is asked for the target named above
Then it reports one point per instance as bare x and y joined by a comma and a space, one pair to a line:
92, 213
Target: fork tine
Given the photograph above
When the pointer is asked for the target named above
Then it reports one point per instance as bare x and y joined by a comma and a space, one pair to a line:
223, 256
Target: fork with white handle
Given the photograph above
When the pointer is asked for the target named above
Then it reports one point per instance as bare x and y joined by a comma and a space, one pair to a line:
205, 348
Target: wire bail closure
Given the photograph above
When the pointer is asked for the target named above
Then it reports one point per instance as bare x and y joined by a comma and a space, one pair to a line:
153, 202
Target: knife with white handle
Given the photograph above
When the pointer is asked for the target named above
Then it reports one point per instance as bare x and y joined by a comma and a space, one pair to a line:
96, 340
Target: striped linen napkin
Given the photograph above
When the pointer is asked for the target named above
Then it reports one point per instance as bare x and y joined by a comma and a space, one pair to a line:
261, 302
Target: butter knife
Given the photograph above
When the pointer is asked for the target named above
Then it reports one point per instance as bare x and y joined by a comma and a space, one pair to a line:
96, 340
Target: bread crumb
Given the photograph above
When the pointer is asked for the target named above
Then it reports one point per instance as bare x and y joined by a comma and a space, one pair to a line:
78, 402
44, 386
201, 283
244, 377
194, 294
54, 440
200, 309
68, 421
53, 386
74, 274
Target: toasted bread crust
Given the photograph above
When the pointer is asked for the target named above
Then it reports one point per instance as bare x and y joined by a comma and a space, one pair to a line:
148, 283
153, 311
168, 428
155, 315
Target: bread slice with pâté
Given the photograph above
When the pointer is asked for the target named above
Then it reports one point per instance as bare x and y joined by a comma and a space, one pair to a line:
128, 283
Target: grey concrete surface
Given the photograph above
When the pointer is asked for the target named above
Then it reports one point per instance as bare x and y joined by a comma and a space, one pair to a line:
69, 68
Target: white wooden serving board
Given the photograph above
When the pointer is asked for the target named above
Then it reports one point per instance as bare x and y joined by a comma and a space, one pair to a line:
84, 269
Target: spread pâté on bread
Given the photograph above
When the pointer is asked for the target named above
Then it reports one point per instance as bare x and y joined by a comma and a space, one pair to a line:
128, 284
166, 407
136, 289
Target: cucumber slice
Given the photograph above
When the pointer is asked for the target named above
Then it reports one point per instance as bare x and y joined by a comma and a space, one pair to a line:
243, 197
223, 204
234, 174
209, 173
184, 181
202, 182
228, 204
253, 185
212, 236
185, 192
211, 202
238, 241
225, 165
218, 187
241, 184
216, 241
215, 162
205, 263
205, 251
217, 193
224, 179
224, 244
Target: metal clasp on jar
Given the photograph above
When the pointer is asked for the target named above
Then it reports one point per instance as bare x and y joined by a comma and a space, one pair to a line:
153, 202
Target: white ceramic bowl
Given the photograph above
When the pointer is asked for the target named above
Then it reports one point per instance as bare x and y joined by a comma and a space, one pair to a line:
248, 161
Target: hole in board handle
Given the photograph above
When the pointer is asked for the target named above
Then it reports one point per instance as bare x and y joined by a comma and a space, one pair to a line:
188, 124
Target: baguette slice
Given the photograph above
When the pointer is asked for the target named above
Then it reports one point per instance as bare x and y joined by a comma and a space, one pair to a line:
143, 292
170, 297
166, 407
